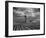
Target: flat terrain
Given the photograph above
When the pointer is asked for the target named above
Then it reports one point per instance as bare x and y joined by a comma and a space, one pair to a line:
26, 18
30, 24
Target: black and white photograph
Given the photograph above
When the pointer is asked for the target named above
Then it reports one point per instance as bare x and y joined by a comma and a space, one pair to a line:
24, 18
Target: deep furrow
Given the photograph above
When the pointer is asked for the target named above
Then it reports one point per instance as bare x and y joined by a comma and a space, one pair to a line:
22, 28
25, 28
17, 27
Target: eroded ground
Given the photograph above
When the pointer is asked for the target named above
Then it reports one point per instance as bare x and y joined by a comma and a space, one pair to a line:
32, 19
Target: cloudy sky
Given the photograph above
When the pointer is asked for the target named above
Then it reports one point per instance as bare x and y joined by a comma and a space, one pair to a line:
27, 11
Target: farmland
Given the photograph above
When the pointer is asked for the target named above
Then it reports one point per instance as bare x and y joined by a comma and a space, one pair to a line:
26, 18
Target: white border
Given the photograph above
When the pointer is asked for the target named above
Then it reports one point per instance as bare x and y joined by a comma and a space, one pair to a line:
10, 28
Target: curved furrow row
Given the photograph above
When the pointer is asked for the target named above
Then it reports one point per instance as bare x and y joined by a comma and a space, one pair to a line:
26, 28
